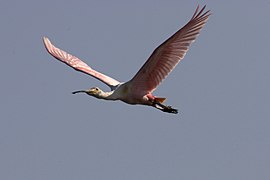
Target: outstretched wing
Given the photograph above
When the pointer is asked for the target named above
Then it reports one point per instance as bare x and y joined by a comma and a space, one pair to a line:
168, 54
77, 64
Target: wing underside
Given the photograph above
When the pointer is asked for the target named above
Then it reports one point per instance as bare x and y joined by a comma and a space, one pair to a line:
78, 64
165, 57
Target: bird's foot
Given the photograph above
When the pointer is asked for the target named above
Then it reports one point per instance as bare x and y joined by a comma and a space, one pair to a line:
165, 108
169, 109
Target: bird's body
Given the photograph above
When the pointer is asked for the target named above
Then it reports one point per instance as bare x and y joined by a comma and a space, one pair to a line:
139, 89
122, 92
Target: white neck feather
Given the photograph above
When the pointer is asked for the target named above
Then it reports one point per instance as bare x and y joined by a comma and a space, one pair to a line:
106, 95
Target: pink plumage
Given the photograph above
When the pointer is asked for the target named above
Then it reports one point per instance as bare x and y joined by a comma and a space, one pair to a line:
162, 61
77, 64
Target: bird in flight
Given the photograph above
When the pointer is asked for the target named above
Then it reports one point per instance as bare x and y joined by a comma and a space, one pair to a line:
161, 62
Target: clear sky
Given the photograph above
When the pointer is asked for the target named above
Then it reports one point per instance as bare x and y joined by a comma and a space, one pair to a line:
221, 89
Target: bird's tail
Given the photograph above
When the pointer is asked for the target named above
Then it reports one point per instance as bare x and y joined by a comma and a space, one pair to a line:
160, 99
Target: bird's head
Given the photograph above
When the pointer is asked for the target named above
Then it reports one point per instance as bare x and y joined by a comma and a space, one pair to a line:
94, 91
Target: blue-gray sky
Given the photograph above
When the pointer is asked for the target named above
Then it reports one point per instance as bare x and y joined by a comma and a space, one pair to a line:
221, 89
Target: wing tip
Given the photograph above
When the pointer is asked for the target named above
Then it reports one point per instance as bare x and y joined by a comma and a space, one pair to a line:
198, 12
45, 39
47, 43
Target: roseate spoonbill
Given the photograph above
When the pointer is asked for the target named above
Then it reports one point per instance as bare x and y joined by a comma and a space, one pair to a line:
139, 89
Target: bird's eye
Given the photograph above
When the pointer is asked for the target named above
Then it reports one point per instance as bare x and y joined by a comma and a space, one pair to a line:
96, 89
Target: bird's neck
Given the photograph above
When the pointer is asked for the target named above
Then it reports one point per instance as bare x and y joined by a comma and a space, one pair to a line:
106, 95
